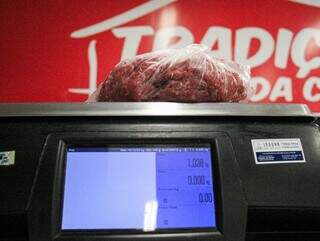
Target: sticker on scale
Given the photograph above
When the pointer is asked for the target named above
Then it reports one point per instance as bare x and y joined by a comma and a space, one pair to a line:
273, 151
7, 158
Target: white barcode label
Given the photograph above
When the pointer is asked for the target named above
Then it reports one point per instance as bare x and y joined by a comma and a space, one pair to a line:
272, 151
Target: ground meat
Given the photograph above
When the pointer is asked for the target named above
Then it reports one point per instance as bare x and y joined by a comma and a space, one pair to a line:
184, 75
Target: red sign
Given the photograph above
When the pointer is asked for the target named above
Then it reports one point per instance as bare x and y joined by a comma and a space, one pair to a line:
61, 50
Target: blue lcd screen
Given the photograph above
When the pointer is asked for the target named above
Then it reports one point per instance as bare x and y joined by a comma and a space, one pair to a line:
140, 188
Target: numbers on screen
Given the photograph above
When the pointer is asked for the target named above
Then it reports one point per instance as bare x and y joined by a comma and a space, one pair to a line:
196, 180
197, 163
205, 197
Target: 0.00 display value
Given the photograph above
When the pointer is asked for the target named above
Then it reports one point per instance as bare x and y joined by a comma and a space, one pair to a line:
205, 197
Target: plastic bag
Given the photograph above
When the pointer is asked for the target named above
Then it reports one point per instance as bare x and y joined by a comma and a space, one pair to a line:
180, 75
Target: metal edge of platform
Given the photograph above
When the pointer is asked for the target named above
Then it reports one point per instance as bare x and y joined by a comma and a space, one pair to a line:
153, 109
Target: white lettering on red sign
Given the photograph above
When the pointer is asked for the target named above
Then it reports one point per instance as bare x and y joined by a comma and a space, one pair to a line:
285, 47
310, 84
222, 37
132, 37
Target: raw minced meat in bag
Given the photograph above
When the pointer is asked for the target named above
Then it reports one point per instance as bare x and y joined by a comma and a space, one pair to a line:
180, 75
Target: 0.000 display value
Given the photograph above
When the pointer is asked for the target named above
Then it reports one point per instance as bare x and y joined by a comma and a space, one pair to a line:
196, 180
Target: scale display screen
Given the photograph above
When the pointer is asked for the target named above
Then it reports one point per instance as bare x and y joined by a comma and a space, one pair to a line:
140, 188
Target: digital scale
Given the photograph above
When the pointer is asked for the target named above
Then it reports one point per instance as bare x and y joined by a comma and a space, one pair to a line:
159, 171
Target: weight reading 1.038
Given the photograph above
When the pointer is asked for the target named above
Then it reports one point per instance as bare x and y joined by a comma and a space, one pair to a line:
197, 163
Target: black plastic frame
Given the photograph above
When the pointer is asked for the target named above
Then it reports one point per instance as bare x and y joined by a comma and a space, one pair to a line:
54, 158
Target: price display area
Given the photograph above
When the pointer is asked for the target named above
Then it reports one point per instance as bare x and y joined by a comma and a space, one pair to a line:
144, 188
